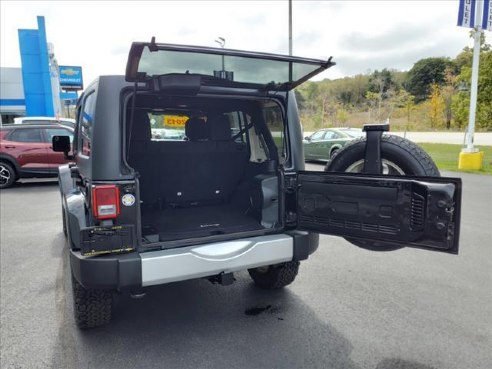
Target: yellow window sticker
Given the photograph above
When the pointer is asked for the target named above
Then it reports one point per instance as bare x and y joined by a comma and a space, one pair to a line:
175, 120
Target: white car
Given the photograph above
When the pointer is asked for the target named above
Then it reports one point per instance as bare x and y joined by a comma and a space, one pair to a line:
69, 122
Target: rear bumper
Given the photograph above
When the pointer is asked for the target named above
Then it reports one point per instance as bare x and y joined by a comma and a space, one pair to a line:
166, 266
134, 270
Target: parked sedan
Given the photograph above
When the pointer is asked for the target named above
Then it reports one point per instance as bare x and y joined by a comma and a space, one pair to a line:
322, 144
26, 151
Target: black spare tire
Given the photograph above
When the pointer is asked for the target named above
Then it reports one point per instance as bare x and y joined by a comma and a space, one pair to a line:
399, 156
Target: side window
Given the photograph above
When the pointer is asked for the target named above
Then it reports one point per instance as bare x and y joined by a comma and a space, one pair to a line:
26, 135
318, 135
330, 135
86, 120
275, 123
50, 132
237, 122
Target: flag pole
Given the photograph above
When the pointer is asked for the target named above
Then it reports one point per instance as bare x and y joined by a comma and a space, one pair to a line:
474, 79
470, 157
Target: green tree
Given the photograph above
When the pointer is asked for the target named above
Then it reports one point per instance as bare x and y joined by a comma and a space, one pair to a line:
436, 103
380, 82
447, 92
424, 73
460, 102
300, 99
406, 101
374, 102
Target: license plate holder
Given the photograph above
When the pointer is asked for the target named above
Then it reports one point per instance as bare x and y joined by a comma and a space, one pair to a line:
107, 240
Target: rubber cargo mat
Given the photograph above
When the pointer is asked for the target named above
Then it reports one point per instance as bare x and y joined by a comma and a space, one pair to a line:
180, 223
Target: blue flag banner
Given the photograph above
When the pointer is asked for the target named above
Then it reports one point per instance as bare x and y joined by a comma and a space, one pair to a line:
487, 15
466, 13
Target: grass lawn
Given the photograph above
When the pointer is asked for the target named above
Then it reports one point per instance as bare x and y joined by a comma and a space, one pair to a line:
446, 157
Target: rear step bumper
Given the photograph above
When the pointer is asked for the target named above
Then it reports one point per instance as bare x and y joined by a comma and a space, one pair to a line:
173, 265
134, 270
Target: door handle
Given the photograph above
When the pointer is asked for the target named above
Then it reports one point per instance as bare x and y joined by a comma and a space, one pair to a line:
9, 147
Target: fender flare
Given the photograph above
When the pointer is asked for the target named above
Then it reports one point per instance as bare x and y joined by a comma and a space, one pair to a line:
65, 181
73, 204
76, 217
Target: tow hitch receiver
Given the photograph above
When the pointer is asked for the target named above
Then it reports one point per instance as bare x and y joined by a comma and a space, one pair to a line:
224, 279
372, 161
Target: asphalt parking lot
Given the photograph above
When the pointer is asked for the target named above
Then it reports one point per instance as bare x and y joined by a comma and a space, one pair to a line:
348, 308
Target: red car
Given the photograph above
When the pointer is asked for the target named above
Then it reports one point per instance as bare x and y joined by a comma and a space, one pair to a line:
26, 152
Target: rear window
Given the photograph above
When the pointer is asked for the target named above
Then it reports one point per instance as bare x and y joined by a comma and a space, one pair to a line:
224, 121
171, 126
243, 67
165, 126
354, 132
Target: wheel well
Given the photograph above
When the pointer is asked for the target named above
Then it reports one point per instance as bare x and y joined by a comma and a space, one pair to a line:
10, 162
334, 148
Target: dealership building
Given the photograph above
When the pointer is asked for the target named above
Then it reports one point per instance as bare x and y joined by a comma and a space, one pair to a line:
40, 87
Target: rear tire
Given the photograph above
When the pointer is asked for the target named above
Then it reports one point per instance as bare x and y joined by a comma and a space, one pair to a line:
92, 307
8, 176
275, 276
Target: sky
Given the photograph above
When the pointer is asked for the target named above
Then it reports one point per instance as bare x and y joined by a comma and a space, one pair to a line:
362, 36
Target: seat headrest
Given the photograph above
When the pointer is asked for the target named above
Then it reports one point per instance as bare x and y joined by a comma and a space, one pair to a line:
220, 127
196, 129
141, 125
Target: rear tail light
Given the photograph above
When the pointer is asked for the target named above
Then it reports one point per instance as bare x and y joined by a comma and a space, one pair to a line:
106, 201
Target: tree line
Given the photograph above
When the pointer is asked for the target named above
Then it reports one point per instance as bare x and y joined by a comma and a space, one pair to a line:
433, 95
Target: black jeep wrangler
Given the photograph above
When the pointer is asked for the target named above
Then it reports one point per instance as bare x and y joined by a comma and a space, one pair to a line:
192, 166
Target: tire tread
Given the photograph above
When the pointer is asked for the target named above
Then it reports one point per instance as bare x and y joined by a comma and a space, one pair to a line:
277, 276
92, 307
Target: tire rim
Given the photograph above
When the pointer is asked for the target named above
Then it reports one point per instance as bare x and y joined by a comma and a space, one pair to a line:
4, 175
389, 168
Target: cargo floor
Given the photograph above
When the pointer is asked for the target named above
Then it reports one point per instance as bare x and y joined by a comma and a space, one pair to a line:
180, 223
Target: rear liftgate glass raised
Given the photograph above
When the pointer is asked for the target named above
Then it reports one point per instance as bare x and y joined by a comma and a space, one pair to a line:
420, 212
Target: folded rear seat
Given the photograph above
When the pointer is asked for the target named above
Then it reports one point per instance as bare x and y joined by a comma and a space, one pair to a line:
184, 166
205, 169
229, 158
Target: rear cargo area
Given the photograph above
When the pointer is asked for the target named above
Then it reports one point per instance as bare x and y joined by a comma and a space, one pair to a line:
198, 221
215, 179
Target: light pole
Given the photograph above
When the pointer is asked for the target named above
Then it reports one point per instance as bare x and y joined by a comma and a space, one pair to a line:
221, 42
470, 157
290, 27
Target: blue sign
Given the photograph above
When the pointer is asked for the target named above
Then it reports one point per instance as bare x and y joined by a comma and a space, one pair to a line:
466, 13
35, 71
71, 78
487, 15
